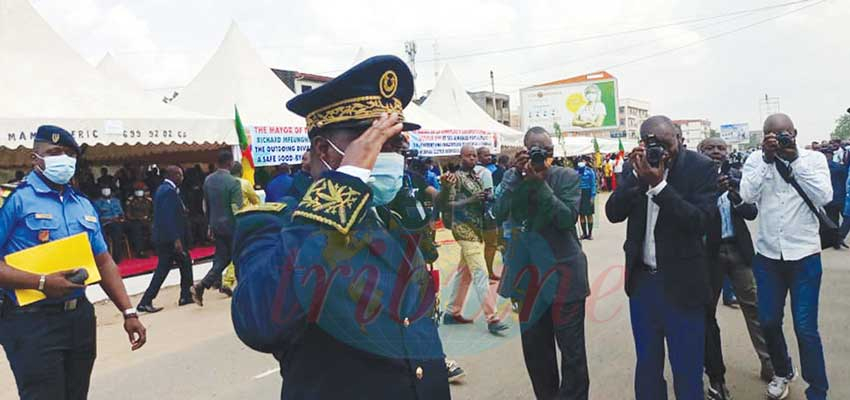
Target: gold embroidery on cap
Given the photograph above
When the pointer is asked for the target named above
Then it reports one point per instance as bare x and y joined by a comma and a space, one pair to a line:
389, 84
55, 138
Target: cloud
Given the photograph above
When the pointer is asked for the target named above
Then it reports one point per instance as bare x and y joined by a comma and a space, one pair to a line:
799, 58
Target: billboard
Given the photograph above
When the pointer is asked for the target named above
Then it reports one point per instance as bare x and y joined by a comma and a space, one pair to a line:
587, 103
735, 133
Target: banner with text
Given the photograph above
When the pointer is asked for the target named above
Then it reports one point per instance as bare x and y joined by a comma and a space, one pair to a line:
275, 145
448, 143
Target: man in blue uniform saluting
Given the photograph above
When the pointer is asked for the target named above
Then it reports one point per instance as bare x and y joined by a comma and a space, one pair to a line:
51, 344
335, 289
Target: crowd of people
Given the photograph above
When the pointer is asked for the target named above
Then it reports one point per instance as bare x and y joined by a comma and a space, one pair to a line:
334, 271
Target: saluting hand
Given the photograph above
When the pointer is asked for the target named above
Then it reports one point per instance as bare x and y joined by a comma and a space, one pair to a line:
363, 151
58, 285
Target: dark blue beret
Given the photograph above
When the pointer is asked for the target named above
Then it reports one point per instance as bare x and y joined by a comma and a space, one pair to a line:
58, 136
377, 85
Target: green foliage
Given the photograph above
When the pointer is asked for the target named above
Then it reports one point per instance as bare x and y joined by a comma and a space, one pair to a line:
714, 133
842, 127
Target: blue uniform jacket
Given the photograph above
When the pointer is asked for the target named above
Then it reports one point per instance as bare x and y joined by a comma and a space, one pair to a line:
35, 214
342, 302
588, 180
169, 216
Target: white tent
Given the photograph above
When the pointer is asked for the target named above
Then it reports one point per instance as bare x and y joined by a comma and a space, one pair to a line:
44, 81
237, 76
450, 102
116, 74
581, 145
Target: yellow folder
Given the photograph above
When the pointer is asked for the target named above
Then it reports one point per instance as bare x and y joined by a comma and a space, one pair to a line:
72, 252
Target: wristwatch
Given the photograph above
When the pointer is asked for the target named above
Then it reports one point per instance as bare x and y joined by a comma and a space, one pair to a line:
130, 313
41, 281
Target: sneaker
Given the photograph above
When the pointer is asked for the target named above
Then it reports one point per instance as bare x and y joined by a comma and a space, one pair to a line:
455, 371
497, 326
777, 389
717, 391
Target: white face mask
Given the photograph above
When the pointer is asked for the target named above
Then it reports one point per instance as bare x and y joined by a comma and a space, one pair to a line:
139, 193
582, 164
342, 153
106, 192
58, 169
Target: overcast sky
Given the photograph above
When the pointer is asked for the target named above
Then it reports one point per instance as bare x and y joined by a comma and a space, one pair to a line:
720, 72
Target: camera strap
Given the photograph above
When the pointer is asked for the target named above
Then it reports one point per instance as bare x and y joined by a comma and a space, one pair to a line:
785, 172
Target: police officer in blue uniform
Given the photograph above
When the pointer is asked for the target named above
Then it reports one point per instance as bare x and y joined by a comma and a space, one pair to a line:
51, 344
338, 294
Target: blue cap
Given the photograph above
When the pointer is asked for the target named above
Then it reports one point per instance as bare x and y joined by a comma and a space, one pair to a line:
58, 136
380, 84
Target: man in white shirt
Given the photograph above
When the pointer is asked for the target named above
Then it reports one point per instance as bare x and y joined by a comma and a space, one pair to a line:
788, 250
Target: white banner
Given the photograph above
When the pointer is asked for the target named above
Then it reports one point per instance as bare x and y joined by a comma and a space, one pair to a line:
735, 133
275, 145
449, 142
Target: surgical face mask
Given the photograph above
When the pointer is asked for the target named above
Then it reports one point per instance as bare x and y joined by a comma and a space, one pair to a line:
139, 193
106, 192
386, 178
342, 153
582, 164
58, 169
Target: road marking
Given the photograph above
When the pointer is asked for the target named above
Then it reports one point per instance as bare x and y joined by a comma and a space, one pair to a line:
267, 373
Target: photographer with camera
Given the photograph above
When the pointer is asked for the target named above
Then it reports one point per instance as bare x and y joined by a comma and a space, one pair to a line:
667, 194
788, 249
546, 270
730, 253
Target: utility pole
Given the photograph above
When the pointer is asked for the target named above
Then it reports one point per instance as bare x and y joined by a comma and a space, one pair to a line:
493, 88
436, 60
410, 49
768, 106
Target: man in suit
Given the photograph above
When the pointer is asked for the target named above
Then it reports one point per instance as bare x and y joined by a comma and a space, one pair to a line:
546, 269
223, 197
667, 194
169, 237
338, 294
730, 254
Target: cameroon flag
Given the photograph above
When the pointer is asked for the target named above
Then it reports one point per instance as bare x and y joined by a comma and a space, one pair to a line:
245, 146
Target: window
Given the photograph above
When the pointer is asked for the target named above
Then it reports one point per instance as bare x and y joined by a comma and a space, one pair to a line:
306, 88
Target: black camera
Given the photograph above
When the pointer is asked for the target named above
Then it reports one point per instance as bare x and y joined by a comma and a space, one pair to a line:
725, 167
785, 139
410, 153
654, 151
537, 156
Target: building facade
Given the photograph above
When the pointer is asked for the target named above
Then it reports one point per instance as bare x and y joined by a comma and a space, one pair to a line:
300, 82
632, 114
485, 100
694, 131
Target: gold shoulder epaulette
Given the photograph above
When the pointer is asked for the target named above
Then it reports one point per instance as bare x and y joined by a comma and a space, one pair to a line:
265, 207
334, 204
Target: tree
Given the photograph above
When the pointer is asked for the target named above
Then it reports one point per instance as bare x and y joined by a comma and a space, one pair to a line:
713, 133
842, 127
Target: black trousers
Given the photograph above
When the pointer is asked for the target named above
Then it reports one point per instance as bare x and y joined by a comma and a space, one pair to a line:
168, 257
115, 232
729, 262
135, 234
51, 353
538, 348
223, 256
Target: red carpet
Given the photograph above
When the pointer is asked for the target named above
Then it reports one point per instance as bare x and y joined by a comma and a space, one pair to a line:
137, 266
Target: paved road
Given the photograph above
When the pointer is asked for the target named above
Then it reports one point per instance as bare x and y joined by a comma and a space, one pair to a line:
192, 352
